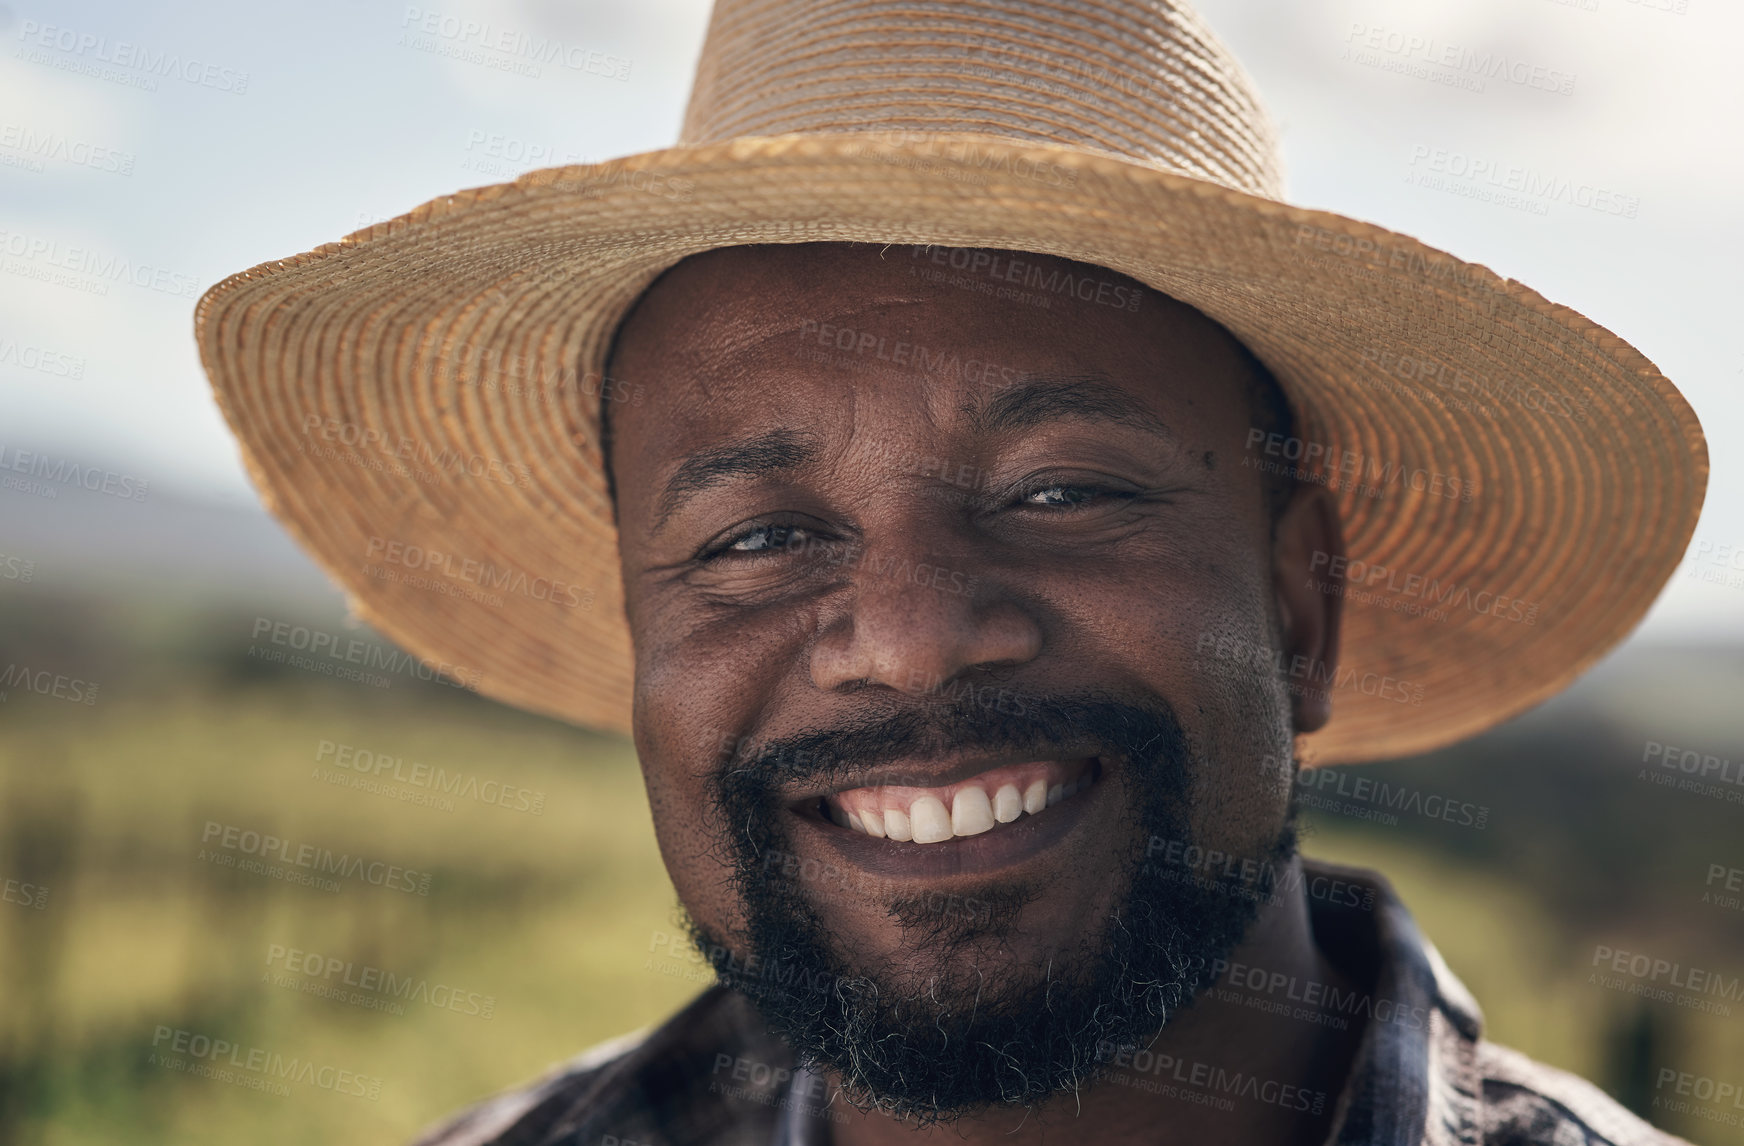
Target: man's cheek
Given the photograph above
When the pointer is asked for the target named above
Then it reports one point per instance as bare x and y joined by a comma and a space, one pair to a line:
691, 848
698, 664
677, 772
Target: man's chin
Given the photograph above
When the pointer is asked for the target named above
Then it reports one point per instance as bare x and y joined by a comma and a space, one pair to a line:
935, 1044
933, 1039
951, 980
962, 1019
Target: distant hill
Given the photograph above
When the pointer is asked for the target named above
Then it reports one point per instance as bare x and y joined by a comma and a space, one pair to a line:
81, 541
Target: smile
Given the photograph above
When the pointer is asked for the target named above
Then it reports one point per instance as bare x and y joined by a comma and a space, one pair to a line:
985, 802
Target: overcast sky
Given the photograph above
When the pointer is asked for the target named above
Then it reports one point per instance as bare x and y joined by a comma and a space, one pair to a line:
303, 122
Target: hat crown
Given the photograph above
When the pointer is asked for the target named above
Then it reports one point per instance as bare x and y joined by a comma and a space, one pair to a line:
1144, 79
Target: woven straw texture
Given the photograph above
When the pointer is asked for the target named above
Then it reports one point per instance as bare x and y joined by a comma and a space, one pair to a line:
432, 384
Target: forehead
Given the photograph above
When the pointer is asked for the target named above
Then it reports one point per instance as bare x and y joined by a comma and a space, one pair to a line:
903, 340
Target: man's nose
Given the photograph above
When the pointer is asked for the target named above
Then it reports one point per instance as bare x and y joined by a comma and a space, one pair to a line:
914, 627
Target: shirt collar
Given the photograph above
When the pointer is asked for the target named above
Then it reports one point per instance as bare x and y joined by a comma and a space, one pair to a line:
1413, 1081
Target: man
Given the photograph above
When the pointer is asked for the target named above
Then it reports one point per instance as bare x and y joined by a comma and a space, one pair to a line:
995, 477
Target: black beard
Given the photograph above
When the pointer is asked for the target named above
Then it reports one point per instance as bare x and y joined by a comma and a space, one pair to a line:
969, 1037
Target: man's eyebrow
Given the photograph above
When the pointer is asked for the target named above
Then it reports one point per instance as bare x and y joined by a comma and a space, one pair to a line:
779, 449
1044, 398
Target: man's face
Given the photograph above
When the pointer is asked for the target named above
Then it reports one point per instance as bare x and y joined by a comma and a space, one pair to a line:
903, 558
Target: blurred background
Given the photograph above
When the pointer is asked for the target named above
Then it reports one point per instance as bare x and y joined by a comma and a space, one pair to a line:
519, 930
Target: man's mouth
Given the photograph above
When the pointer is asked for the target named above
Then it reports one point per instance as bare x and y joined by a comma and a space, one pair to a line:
985, 802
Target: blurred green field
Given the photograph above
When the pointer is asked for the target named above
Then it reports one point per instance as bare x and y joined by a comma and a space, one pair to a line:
552, 916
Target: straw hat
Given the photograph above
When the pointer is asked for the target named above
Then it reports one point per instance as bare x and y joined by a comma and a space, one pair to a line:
419, 402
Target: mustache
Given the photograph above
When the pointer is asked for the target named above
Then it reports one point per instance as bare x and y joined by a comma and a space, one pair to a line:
1085, 723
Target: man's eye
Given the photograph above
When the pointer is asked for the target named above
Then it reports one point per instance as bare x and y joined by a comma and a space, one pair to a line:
765, 539
1066, 495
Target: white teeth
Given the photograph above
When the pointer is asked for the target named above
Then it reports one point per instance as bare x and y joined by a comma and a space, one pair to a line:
971, 812
932, 824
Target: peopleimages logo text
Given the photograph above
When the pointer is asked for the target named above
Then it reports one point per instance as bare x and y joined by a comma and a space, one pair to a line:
268, 847
511, 43
484, 574
1459, 59
401, 988
92, 49
43, 682
65, 471
40, 145
31, 357
1340, 570
362, 761
98, 267
446, 460
1326, 464
210, 1052
352, 650
1033, 276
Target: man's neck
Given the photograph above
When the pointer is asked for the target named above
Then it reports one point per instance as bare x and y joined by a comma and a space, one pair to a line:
1230, 1068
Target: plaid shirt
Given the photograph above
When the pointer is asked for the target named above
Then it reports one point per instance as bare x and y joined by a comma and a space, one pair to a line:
713, 1076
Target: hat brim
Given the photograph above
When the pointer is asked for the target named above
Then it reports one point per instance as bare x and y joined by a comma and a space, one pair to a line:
1516, 482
